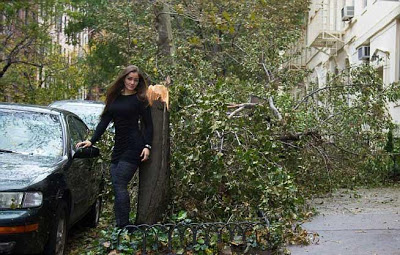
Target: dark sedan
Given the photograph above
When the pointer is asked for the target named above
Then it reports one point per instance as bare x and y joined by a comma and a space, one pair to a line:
46, 184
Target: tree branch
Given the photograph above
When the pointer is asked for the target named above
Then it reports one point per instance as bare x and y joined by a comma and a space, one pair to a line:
29, 81
19, 46
5, 68
324, 88
310, 95
240, 107
345, 150
27, 63
245, 105
235, 112
5, 42
267, 72
13, 53
326, 159
179, 14
297, 136
274, 109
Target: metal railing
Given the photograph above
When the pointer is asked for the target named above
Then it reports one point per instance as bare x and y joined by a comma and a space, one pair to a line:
196, 237
323, 30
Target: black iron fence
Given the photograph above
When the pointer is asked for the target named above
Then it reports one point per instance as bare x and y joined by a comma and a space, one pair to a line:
194, 238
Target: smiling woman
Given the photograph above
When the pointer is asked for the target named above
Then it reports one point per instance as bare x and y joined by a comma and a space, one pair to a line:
128, 108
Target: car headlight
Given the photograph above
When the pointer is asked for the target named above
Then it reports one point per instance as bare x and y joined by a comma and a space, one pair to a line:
15, 200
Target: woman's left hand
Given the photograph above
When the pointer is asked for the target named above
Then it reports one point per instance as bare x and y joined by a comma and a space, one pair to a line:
145, 154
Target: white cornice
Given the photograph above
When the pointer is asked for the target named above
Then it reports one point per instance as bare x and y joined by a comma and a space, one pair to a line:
385, 21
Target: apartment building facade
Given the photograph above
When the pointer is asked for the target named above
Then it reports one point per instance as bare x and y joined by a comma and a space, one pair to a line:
21, 46
70, 48
59, 38
344, 33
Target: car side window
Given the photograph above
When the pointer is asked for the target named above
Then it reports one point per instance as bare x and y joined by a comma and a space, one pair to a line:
75, 135
81, 127
77, 129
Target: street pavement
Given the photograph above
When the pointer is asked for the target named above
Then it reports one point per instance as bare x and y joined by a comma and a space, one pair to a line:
359, 222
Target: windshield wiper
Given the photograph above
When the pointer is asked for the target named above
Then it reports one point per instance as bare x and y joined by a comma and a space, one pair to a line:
7, 151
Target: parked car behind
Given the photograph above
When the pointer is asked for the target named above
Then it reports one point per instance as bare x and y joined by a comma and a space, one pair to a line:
46, 184
88, 111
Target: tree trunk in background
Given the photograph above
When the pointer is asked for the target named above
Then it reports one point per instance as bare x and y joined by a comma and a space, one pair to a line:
164, 29
154, 175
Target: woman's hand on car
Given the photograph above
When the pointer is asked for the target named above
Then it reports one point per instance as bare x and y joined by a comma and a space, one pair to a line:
84, 144
145, 155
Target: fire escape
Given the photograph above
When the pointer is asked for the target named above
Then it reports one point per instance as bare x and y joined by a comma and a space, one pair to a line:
322, 32
297, 54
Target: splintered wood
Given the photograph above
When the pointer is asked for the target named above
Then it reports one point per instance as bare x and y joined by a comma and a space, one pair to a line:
158, 92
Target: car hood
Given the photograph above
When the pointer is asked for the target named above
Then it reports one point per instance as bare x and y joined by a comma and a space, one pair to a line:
18, 171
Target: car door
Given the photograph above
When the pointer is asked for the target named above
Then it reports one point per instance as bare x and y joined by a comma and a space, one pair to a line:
79, 171
94, 172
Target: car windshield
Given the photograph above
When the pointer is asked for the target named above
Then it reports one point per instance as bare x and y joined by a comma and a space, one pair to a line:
89, 113
30, 133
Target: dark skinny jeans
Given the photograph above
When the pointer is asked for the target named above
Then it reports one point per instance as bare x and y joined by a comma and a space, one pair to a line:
121, 174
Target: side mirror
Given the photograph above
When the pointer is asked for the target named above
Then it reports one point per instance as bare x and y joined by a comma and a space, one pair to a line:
88, 152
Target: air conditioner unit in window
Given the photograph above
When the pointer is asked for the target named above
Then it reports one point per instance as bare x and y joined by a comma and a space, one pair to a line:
347, 13
363, 52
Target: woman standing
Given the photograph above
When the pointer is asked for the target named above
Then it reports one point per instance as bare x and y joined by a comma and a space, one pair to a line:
125, 103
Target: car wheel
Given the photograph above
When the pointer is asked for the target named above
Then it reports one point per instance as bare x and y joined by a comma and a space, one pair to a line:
93, 217
58, 234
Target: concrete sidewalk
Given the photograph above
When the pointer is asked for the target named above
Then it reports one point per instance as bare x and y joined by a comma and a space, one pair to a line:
355, 222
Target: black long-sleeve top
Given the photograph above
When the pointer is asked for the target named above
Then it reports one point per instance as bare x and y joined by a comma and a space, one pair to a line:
125, 111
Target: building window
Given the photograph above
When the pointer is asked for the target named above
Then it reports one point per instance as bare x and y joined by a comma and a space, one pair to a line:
365, 3
60, 24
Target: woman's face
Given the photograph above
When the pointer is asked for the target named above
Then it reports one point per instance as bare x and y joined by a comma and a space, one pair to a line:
131, 81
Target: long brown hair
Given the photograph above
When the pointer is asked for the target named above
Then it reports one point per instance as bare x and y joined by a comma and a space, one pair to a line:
118, 85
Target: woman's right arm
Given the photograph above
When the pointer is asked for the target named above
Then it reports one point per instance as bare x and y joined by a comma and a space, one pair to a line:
100, 129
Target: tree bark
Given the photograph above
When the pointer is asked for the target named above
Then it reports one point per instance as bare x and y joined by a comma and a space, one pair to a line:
164, 29
154, 175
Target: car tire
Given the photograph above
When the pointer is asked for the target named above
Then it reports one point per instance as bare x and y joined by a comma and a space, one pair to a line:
92, 218
58, 233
